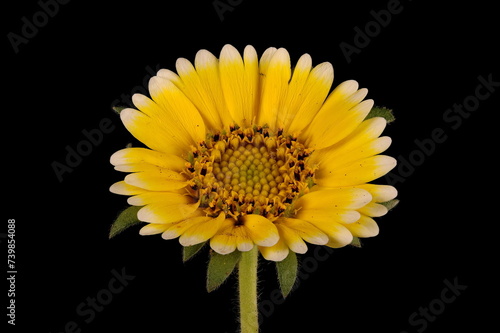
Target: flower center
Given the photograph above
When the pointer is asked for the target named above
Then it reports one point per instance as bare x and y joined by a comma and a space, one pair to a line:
249, 171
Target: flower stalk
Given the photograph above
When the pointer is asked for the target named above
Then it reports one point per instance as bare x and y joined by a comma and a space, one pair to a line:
247, 276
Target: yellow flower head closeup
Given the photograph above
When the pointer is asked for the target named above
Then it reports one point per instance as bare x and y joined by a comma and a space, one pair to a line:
245, 151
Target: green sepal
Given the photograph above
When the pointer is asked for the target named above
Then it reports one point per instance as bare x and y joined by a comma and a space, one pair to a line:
189, 251
118, 109
126, 219
220, 267
356, 242
390, 204
380, 111
287, 273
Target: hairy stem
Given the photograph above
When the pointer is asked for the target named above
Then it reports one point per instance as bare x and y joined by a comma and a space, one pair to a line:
247, 276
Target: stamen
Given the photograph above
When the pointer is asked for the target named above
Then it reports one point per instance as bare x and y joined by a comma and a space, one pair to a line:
250, 171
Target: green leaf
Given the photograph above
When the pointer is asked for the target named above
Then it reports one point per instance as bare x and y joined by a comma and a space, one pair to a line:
125, 220
356, 242
118, 109
220, 267
287, 273
390, 204
189, 251
380, 111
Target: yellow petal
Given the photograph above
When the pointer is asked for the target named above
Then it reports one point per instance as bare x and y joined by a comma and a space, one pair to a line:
367, 131
363, 141
312, 96
153, 229
292, 238
293, 100
380, 193
274, 86
333, 234
181, 117
338, 198
336, 105
151, 133
341, 113
207, 66
364, 227
306, 230
236, 80
341, 124
339, 234
252, 78
201, 232
262, 231
125, 189
355, 173
224, 241
196, 90
167, 180
144, 167
265, 60
170, 198
179, 129
143, 155
178, 228
277, 252
373, 209
250, 230
172, 77
165, 213
336, 157
328, 214
243, 241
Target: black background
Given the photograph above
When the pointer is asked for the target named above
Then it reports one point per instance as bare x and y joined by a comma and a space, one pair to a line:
65, 78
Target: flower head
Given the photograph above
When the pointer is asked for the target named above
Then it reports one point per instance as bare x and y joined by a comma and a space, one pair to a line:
245, 152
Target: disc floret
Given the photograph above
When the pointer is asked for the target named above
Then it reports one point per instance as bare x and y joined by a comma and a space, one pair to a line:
250, 171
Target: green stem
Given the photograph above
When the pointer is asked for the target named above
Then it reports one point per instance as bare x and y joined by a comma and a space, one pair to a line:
247, 276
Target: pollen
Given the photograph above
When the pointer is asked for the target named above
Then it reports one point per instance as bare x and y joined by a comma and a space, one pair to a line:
249, 171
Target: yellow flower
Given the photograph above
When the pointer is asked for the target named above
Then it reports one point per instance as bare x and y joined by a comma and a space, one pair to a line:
244, 152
